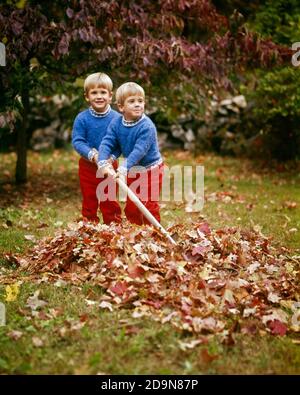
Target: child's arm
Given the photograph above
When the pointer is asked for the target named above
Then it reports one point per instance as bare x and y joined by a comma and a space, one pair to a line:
145, 138
79, 140
116, 153
108, 147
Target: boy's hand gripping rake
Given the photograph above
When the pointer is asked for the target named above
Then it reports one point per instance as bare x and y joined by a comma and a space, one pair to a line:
139, 204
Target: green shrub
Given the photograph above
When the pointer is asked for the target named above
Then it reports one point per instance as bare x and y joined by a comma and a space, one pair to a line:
280, 20
275, 114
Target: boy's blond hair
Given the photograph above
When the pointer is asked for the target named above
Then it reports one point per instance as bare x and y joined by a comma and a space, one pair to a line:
98, 79
128, 89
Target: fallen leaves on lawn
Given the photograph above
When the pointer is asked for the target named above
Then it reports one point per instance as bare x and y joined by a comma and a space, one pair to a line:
207, 357
15, 335
290, 205
214, 281
225, 197
34, 302
30, 238
37, 342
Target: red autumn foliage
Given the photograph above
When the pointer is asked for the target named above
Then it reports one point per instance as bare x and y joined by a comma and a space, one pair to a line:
138, 269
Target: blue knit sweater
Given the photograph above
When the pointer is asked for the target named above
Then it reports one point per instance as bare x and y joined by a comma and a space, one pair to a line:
138, 143
89, 130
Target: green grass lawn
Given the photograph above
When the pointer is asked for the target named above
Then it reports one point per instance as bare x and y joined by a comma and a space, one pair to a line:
71, 335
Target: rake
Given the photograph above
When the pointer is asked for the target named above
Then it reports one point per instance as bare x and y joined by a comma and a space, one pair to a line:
132, 196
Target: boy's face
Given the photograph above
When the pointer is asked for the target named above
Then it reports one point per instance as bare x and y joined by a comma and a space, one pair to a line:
133, 107
99, 98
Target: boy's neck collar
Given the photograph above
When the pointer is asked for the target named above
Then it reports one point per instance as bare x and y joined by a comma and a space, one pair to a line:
100, 114
132, 123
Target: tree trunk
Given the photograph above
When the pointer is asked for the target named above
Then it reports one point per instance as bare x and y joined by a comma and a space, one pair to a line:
21, 167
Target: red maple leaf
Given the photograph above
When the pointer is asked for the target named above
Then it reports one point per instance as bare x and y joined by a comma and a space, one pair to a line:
119, 288
155, 303
201, 250
277, 327
207, 357
204, 228
135, 271
107, 236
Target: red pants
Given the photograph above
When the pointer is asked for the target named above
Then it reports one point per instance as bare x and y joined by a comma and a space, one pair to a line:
147, 186
110, 209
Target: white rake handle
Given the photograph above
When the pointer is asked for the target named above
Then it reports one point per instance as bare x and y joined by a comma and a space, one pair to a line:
140, 206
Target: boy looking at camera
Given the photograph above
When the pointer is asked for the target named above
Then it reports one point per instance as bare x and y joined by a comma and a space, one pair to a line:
90, 126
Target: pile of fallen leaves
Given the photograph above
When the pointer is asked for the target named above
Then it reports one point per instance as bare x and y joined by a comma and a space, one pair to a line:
213, 281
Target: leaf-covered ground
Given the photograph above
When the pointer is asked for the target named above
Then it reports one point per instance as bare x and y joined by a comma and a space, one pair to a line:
120, 299
214, 281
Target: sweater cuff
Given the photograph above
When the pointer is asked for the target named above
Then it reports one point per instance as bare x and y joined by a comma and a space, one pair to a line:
102, 163
92, 154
